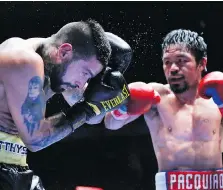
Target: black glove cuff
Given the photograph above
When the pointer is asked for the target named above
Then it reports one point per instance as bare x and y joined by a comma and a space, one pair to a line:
78, 114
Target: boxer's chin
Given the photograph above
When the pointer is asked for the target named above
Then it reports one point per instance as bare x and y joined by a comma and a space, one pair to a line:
179, 88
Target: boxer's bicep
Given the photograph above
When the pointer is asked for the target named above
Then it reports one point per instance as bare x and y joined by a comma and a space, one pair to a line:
26, 100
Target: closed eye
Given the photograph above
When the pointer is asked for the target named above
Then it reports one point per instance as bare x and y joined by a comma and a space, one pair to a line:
88, 72
87, 75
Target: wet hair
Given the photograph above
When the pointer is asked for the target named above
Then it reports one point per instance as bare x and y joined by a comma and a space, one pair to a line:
191, 40
87, 38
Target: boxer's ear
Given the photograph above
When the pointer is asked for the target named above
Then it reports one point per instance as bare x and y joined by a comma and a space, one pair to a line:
203, 64
65, 52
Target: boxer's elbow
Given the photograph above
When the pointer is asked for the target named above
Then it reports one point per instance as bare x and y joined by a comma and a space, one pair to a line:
36, 142
32, 148
29, 143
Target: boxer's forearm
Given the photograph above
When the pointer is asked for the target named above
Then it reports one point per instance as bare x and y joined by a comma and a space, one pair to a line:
57, 128
113, 124
52, 130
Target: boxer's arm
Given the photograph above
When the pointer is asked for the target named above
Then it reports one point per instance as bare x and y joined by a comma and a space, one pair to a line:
25, 96
113, 123
119, 118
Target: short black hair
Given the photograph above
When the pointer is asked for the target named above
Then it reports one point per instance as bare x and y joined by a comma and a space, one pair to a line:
191, 40
87, 38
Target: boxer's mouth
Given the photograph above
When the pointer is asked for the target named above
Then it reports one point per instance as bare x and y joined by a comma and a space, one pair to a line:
176, 79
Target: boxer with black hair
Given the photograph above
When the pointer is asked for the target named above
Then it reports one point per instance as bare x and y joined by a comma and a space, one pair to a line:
184, 116
31, 71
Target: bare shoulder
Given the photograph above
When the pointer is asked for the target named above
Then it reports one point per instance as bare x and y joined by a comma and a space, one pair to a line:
11, 44
162, 89
15, 58
11, 40
16, 50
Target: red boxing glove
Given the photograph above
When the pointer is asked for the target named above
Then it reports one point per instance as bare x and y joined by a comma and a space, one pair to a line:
211, 86
142, 98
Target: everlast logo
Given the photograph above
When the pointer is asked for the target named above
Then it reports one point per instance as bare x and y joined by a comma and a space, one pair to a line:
112, 103
210, 180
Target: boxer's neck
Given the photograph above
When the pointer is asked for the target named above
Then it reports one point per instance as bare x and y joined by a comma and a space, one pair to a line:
43, 49
189, 96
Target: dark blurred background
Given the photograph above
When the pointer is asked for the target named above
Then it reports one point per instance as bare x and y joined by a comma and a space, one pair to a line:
94, 156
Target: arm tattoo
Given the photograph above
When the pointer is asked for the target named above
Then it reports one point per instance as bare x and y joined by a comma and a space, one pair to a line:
51, 138
33, 108
52, 129
56, 133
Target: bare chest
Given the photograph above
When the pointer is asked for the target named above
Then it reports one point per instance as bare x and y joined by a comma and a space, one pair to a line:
173, 121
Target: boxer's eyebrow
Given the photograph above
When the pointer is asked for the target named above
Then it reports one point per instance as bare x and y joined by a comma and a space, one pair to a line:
181, 55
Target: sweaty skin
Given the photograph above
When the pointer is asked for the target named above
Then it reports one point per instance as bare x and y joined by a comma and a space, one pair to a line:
184, 136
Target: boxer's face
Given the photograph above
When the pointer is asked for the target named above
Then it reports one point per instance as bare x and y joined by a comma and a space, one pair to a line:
74, 74
180, 68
